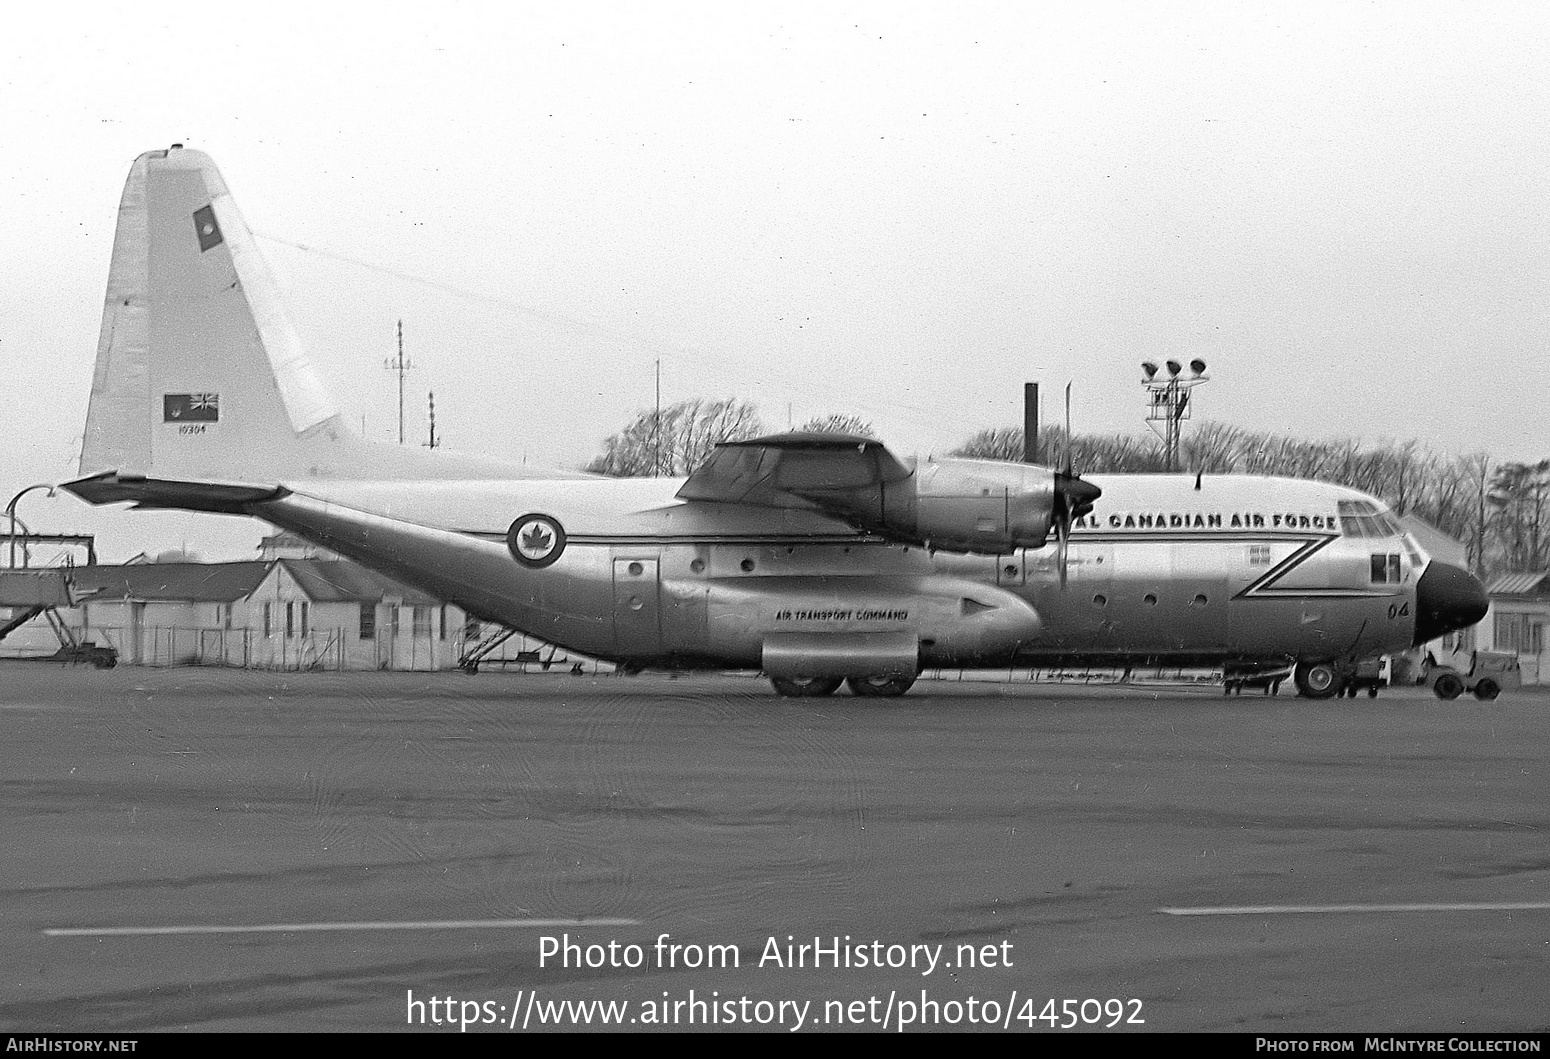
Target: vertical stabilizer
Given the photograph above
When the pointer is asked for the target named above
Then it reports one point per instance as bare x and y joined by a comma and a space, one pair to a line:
199, 375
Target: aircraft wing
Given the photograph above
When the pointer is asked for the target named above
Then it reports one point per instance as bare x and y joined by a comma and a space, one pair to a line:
982, 506
798, 470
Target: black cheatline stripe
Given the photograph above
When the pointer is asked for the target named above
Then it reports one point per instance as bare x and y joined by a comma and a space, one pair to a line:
1190, 537
1261, 588
1228, 536
702, 538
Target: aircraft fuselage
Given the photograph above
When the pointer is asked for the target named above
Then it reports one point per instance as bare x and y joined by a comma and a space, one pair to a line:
1238, 569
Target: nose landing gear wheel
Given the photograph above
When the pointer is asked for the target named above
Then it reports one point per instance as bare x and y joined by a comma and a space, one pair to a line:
879, 687
1317, 680
805, 687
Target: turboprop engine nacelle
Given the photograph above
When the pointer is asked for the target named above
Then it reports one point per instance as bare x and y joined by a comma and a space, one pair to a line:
983, 506
957, 505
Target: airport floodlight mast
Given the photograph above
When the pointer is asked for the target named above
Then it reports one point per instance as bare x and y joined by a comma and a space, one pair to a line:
1168, 402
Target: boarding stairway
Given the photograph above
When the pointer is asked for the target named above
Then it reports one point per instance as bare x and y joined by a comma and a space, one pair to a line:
29, 594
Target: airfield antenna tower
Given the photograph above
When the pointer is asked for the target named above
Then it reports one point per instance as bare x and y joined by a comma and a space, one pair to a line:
400, 365
1168, 402
434, 441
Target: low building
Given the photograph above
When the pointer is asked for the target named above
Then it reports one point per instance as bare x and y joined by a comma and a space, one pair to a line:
335, 614
1520, 610
279, 613
160, 613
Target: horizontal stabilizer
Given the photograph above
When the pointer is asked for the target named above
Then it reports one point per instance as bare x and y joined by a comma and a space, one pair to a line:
114, 488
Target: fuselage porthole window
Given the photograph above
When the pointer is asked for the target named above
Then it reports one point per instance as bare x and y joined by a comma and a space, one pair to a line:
1100, 600
1150, 599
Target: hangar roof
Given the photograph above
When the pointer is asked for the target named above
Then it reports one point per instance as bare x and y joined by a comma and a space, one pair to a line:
1519, 584
323, 581
180, 582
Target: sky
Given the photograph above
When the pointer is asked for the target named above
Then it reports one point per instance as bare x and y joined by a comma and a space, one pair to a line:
899, 211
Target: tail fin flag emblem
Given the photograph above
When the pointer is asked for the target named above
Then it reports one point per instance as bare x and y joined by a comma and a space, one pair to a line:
190, 407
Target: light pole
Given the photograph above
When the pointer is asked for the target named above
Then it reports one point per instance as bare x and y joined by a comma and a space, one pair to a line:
10, 511
1168, 402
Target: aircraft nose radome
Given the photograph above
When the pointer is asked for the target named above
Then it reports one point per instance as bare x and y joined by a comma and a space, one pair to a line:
1447, 598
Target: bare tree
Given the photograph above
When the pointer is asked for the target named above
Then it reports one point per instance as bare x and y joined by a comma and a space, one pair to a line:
1518, 495
996, 443
1084, 452
838, 423
678, 441
1213, 448
1479, 474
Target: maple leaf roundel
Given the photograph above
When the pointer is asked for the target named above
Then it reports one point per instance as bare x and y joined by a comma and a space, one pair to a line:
535, 540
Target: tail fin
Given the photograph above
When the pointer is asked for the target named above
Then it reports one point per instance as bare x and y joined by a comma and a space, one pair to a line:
199, 375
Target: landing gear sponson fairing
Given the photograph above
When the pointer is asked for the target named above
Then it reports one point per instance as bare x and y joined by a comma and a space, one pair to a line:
815, 558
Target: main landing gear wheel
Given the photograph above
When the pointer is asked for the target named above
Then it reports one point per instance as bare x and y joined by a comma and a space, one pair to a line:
805, 687
1317, 680
879, 687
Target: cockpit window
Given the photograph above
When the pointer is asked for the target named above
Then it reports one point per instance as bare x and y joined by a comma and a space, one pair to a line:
1363, 518
1386, 569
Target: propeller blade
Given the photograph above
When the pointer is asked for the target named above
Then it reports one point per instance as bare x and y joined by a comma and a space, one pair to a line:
1073, 499
1062, 550
1068, 430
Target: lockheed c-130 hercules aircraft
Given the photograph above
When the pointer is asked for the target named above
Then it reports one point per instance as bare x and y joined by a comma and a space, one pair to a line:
816, 558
